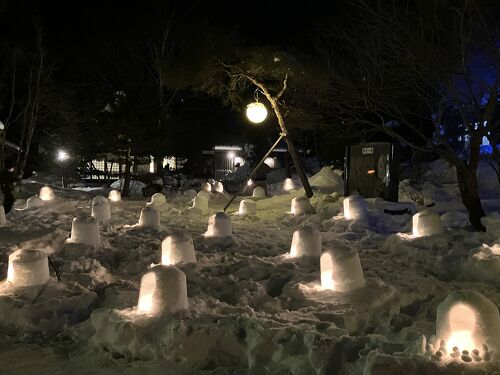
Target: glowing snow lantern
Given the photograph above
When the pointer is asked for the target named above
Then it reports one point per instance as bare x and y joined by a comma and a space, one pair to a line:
341, 269
27, 268
427, 223
34, 202
256, 112
3, 220
259, 192
288, 185
85, 230
46, 194
355, 207
177, 248
115, 196
163, 290
200, 202
219, 225
101, 209
150, 218
306, 242
468, 321
158, 201
207, 187
250, 182
301, 205
218, 187
247, 207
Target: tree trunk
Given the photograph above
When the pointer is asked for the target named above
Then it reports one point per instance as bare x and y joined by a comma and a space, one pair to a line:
469, 191
126, 176
2, 149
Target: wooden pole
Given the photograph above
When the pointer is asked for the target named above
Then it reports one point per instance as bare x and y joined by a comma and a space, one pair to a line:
281, 122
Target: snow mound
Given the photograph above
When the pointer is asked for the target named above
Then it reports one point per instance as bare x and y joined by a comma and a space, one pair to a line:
327, 180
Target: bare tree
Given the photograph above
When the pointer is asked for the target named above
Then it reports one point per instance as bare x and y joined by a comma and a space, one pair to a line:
411, 64
38, 74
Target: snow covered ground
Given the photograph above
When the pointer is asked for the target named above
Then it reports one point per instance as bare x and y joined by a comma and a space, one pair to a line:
253, 309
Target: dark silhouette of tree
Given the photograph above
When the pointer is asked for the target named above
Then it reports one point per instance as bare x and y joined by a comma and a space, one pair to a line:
410, 65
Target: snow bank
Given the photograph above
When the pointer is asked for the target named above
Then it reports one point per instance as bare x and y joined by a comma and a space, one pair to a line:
34, 202
327, 180
135, 186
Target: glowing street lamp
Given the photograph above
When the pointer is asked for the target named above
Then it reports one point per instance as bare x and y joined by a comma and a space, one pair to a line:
256, 112
62, 156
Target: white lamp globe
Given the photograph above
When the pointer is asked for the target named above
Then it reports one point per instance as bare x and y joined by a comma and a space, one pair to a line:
256, 112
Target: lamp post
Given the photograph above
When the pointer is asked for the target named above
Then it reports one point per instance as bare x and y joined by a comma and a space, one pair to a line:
62, 157
257, 113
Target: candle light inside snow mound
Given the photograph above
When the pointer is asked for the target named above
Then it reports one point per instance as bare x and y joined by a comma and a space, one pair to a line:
467, 321
219, 225
200, 202
46, 194
207, 187
115, 196
426, 223
219, 187
163, 290
177, 248
355, 207
28, 268
306, 242
301, 205
158, 201
85, 230
341, 269
259, 192
247, 207
150, 218
288, 185
101, 209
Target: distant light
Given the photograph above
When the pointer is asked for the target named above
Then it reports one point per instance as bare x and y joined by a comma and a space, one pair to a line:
256, 112
371, 171
62, 155
230, 155
250, 182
